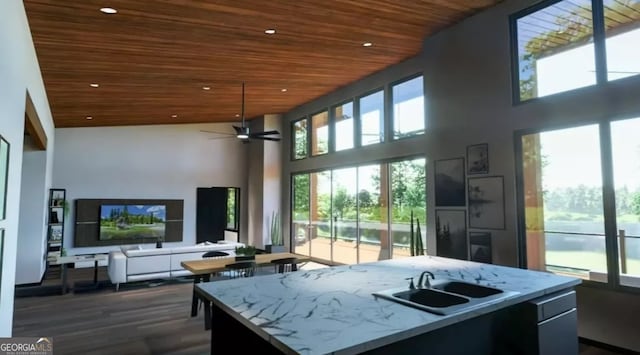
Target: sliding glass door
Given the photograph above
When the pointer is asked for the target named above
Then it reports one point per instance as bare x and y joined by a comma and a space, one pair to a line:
300, 227
342, 216
345, 216
626, 174
566, 191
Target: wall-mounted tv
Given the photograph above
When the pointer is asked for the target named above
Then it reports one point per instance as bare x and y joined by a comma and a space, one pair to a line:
132, 221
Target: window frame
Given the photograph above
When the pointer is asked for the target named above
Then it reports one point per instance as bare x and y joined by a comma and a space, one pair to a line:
389, 106
358, 116
293, 139
332, 126
599, 39
608, 200
310, 133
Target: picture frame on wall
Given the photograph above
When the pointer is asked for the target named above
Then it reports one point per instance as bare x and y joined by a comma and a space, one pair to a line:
451, 234
478, 159
449, 182
4, 175
486, 202
480, 247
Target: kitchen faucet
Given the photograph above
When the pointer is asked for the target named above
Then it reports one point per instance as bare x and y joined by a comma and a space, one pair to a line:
426, 284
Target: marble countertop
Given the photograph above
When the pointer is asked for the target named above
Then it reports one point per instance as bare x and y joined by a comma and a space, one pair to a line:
332, 310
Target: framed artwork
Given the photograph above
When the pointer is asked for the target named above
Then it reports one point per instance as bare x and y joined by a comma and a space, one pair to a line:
486, 202
451, 234
4, 176
449, 182
478, 159
480, 247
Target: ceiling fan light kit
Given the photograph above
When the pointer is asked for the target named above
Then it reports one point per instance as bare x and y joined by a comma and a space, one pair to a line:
243, 133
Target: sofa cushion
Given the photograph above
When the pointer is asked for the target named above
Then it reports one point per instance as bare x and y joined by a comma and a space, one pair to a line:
125, 248
204, 248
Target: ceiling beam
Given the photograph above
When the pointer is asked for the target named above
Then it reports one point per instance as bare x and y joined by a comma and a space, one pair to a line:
33, 126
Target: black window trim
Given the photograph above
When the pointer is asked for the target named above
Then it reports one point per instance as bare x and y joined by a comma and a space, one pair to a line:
389, 104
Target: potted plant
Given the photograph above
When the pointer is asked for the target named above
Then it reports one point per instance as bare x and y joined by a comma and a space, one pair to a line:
245, 253
276, 242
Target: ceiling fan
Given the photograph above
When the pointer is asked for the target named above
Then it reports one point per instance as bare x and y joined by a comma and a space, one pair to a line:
243, 133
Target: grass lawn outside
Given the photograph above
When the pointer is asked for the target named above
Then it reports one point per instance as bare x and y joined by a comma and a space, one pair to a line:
587, 260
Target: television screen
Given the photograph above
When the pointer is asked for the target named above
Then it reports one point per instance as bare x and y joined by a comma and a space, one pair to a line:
132, 221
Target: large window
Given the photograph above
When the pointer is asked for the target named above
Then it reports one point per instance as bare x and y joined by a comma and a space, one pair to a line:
343, 118
320, 133
622, 24
300, 144
342, 215
372, 118
233, 211
557, 45
408, 198
408, 108
571, 226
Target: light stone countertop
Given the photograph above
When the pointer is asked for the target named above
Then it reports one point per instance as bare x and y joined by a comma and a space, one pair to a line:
332, 310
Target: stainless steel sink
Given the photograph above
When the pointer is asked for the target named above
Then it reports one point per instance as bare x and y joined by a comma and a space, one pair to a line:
446, 296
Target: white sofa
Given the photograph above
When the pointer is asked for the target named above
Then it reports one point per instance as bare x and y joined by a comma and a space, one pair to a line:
148, 264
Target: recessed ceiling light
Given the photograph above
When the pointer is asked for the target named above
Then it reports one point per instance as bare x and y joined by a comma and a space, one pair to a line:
367, 44
237, 115
270, 31
283, 90
206, 88
94, 85
174, 116
89, 117
108, 10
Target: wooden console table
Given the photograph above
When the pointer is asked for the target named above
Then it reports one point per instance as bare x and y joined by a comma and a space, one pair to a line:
63, 261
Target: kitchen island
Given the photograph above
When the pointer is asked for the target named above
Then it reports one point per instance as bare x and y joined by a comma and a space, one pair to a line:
333, 310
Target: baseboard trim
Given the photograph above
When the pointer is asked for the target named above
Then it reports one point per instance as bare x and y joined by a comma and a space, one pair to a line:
606, 346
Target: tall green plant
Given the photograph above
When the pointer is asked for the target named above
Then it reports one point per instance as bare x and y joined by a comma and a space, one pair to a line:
412, 237
415, 238
275, 234
419, 245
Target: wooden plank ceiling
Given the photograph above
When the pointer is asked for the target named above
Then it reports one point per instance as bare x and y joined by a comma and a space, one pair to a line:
153, 58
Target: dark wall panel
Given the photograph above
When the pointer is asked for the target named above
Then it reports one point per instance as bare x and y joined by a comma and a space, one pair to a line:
211, 213
87, 221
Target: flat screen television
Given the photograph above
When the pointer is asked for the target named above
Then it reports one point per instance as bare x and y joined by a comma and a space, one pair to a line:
132, 221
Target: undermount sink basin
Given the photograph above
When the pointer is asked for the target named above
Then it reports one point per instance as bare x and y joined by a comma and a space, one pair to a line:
431, 298
467, 289
446, 296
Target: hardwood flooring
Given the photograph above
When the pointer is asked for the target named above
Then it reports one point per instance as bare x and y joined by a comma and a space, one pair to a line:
140, 319
143, 320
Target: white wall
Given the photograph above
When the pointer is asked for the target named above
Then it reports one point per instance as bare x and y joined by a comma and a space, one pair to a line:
146, 162
32, 226
467, 78
19, 73
271, 173
264, 179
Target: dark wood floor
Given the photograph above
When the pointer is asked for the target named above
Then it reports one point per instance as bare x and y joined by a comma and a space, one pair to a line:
140, 319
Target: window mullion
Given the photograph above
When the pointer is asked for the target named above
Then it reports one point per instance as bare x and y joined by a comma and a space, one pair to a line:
599, 39
609, 205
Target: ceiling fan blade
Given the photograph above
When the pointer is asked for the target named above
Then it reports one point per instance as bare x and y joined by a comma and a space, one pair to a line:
214, 132
214, 138
267, 139
265, 133
238, 129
